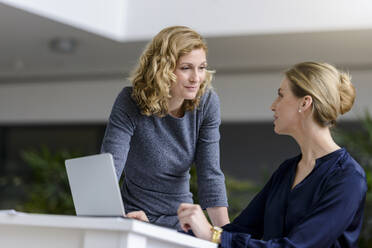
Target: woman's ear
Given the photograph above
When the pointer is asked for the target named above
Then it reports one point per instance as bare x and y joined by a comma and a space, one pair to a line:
306, 103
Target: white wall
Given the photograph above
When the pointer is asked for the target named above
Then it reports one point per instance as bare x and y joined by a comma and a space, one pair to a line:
244, 97
248, 97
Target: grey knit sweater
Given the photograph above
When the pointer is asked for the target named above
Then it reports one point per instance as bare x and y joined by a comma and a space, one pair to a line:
156, 154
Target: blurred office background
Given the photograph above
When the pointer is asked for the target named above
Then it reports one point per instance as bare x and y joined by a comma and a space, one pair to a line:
62, 63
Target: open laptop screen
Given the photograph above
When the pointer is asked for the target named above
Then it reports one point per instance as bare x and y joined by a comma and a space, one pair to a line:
94, 186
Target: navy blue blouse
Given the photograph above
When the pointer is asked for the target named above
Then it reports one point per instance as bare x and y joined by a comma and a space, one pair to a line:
323, 210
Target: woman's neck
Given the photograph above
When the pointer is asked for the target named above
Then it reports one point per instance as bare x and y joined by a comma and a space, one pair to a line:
315, 142
175, 107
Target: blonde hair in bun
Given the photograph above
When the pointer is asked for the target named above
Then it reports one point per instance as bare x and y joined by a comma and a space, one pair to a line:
347, 93
331, 90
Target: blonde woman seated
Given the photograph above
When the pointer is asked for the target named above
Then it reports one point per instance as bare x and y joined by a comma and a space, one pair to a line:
315, 199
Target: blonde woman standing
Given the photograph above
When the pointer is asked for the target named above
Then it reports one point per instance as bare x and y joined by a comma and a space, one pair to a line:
168, 120
315, 199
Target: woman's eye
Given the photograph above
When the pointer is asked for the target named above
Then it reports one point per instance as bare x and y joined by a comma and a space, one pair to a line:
202, 68
185, 68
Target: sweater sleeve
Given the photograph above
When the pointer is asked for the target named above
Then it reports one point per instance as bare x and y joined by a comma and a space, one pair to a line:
119, 130
331, 216
211, 181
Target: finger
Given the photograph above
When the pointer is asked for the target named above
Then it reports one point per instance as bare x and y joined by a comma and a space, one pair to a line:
138, 215
187, 218
134, 215
131, 214
184, 225
186, 213
138, 218
190, 211
186, 207
183, 206
144, 217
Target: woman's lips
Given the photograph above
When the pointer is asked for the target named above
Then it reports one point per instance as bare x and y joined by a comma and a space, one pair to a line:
192, 88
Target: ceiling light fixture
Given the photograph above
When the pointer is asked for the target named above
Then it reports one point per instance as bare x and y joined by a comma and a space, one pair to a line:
63, 45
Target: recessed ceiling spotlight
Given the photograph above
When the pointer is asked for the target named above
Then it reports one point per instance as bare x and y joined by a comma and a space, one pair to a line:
63, 45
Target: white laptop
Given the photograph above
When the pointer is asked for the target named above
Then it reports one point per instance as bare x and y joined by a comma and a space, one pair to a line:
94, 186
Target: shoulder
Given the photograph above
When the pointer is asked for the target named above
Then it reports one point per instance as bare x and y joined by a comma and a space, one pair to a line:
209, 97
209, 103
209, 107
348, 167
125, 95
124, 102
349, 175
348, 164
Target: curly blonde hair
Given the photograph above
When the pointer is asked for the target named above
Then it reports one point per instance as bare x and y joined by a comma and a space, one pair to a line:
153, 76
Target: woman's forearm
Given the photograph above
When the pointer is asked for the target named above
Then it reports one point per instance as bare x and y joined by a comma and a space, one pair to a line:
218, 215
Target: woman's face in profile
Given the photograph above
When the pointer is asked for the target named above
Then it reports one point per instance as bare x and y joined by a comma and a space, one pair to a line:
190, 73
285, 108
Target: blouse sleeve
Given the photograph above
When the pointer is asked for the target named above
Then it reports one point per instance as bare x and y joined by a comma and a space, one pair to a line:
211, 181
252, 217
336, 211
119, 131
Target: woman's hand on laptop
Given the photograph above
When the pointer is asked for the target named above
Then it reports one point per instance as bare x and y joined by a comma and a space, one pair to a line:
138, 215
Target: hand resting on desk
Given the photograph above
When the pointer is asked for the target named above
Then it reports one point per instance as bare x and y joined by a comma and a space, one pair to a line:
138, 215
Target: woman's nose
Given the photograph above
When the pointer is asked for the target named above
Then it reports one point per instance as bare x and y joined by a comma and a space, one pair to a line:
195, 76
272, 107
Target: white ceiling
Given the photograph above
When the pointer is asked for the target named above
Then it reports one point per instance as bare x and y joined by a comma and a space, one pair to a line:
26, 54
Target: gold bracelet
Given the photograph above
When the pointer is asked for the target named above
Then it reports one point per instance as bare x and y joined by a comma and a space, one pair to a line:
216, 234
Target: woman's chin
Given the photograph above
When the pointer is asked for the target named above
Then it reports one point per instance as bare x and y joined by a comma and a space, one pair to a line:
281, 131
190, 96
277, 130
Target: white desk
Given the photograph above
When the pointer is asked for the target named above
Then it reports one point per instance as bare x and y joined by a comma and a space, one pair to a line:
60, 231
